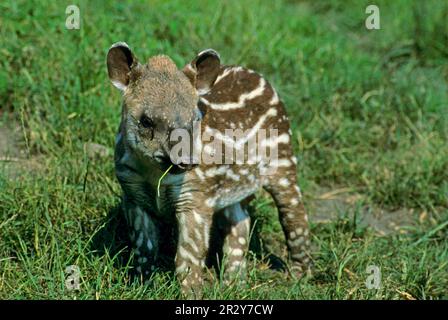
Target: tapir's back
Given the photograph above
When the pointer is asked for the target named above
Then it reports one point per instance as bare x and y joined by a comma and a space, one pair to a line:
241, 98
241, 107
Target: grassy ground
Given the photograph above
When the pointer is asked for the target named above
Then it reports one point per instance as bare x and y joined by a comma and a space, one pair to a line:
369, 113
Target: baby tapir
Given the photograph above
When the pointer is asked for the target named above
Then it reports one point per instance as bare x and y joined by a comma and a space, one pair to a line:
159, 101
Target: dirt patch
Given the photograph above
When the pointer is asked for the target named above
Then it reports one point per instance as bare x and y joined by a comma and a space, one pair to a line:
14, 159
8, 143
331, 204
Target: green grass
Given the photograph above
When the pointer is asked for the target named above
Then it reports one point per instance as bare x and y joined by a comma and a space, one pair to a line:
369, 111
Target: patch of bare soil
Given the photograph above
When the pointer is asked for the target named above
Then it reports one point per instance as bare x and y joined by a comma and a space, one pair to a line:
331, 204
14, 159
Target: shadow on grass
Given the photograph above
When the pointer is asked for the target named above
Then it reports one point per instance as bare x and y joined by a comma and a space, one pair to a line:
256, 245
113, 239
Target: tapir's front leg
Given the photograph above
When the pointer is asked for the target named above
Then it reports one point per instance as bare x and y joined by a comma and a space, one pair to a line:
144, 237
194, 225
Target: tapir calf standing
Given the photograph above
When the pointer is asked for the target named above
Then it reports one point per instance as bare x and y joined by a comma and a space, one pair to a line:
159, 99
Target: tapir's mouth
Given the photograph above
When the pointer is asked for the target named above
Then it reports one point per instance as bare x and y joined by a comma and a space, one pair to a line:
178, 165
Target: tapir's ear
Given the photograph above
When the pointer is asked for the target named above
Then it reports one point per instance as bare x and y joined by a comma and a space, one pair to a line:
120, 62
203, 70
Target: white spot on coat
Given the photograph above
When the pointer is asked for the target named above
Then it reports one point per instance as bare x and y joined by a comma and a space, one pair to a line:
140, 240
284, 182
242, 241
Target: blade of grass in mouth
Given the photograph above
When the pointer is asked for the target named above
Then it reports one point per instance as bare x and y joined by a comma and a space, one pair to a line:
161, 178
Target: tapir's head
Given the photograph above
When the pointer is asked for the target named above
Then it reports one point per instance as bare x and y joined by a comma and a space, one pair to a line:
159, 100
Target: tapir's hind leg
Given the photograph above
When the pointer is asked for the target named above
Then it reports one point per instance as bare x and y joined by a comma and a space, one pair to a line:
288, 199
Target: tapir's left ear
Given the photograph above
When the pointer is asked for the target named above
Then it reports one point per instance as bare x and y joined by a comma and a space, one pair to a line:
203, 70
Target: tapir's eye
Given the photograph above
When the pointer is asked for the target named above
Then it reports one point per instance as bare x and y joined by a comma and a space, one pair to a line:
145, 122
148, 126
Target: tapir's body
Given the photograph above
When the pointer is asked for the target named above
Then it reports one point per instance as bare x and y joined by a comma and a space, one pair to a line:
190, 197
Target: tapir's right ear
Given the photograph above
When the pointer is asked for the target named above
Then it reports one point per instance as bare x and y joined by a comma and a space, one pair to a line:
203, 70
120, 62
